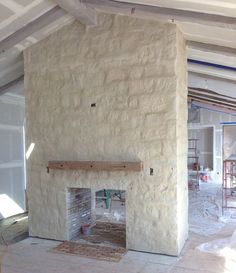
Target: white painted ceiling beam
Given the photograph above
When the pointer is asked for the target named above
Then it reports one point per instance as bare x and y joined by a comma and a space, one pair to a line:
163, 13
77, 8
22, 18
211, 57
7, 87
12, 5
208, 34
211, 71
210, 48
221, 7
221, 86
211, 77
42, 21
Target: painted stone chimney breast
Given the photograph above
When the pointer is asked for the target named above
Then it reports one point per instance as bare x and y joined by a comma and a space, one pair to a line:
117, 92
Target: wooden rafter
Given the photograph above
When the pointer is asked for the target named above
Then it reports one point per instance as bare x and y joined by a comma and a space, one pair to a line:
212, 98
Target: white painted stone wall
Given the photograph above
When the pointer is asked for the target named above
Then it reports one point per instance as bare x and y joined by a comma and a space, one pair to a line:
135, 72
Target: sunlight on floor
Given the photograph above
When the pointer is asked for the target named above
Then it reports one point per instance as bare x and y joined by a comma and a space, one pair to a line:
9, 207
230, 261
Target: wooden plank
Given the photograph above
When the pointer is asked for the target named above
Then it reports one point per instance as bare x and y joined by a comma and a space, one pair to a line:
223, 105
96, 165
226, 102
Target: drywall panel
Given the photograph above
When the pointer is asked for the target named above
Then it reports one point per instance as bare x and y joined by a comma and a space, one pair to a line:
212, 118
205, 145
12, 175
229, 141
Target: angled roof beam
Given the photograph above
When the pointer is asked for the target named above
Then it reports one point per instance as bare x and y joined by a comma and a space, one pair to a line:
228, 51
162, 13
212, 107
5, 88
79, 10
211, 64
207, 76
211, 71
35, 25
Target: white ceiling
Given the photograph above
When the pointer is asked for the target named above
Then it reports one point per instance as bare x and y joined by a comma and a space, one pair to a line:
15, 14
220, 7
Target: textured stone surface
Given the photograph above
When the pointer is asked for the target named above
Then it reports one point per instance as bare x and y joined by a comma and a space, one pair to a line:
135, 72
78, 210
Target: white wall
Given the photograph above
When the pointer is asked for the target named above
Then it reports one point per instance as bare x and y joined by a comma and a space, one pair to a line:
229, 141
204, 145
12, 175
211, 118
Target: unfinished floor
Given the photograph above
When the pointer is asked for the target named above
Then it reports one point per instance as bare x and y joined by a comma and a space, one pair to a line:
14, 229
34, 255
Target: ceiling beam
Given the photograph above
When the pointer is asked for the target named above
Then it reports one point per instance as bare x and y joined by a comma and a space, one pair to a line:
211, 71
227, 51
35, 25
212, 64
210, 106
78, 9
5, 88
162, 13
212, 77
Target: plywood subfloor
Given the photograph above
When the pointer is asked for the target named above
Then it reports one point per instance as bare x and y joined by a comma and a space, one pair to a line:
111, 254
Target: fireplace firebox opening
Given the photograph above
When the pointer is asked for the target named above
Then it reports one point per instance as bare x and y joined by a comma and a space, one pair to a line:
96, 216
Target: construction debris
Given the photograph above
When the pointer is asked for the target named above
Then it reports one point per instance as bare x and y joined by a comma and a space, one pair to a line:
205, 209
222, 247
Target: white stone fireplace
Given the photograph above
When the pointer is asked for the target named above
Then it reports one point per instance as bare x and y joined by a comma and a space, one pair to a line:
113, 92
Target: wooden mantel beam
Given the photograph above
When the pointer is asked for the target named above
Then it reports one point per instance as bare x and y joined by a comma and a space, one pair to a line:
79, 10
96, 165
